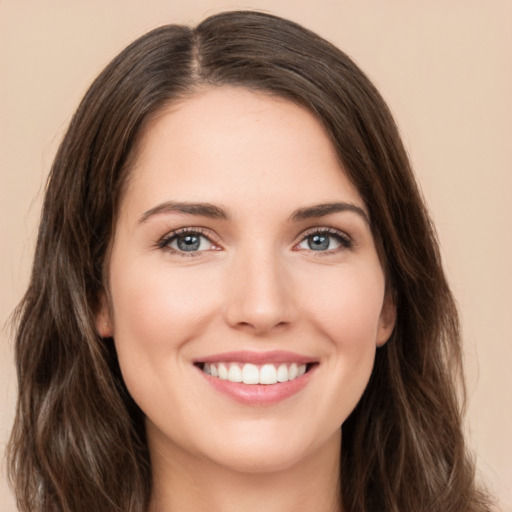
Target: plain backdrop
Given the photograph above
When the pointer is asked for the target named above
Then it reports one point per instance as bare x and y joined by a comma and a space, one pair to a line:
443, 66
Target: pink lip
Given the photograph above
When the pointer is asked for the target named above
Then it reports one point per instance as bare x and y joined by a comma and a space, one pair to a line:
273, 357
259, 394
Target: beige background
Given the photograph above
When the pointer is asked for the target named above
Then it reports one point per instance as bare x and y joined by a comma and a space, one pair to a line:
443, 66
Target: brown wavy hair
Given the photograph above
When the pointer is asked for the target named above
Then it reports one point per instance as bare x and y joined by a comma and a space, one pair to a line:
78, 442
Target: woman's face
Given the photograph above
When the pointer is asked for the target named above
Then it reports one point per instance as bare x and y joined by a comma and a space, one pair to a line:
242, 251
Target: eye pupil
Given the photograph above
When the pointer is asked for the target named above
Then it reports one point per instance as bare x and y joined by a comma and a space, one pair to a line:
188, 242
318, 242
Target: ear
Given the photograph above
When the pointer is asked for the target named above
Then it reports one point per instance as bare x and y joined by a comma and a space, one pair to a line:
103, 320
387, 319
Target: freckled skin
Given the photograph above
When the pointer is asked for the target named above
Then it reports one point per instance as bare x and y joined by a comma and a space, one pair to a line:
254, 285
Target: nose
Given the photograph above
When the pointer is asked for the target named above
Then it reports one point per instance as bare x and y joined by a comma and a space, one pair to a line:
260, 295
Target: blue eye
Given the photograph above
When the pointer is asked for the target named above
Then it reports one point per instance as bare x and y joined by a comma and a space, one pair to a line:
187, 242
319, 242
322, 241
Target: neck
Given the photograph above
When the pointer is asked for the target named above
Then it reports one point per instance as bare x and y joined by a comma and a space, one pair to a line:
184, 484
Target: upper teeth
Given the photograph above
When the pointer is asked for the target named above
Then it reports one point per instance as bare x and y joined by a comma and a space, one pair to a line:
252, 374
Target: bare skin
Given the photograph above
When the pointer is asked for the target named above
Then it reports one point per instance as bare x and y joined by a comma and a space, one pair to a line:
184, 487
239, 233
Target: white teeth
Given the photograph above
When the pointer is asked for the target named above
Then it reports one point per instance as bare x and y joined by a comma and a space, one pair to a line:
268, 374
223, 371
252, 374
282, 373
234, 373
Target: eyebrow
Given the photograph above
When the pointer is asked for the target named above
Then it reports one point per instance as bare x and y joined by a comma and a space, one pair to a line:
216, 212
200, 209
321, 210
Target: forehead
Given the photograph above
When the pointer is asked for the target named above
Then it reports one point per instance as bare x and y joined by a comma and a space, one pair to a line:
230, 144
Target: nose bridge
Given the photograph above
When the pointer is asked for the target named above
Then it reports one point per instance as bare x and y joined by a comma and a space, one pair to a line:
260, 296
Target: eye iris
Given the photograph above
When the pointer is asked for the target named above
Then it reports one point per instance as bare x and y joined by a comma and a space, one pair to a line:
188, 242
318, 242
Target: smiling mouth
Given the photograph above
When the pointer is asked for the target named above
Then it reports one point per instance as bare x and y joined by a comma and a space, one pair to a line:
252, 374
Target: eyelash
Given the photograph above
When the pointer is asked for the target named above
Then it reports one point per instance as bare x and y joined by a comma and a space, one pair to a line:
344, 240
164, 243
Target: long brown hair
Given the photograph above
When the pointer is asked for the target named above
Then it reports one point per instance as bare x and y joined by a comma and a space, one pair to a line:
78, 442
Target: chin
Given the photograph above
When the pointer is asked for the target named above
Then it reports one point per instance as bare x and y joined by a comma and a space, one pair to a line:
258, 461
271, 453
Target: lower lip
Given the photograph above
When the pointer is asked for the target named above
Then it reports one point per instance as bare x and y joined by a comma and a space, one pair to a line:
260, 394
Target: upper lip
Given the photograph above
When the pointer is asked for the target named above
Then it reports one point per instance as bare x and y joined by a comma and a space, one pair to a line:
243, 356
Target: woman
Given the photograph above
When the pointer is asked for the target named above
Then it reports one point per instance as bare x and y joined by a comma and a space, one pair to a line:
237, 299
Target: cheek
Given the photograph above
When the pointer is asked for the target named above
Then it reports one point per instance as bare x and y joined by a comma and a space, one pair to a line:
345, 310
156, 313
154, 304
346, 305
